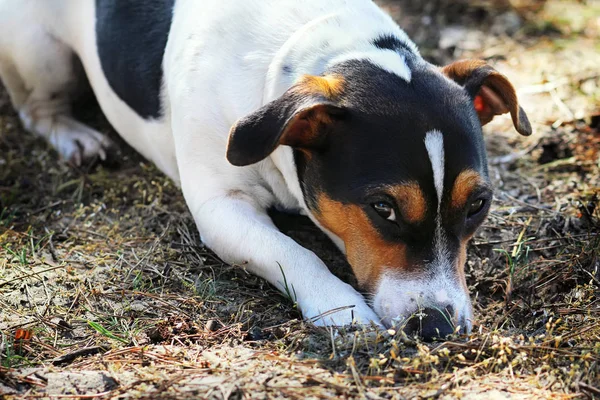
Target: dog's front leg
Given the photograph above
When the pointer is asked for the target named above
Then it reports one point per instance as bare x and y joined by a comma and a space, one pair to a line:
243, 234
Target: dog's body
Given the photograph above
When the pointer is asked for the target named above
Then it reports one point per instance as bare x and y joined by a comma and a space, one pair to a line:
330, 100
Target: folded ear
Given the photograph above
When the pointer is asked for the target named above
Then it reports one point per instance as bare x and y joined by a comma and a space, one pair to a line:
301, 118
491, 91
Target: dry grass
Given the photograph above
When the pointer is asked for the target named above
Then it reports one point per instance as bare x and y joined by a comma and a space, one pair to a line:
105, 269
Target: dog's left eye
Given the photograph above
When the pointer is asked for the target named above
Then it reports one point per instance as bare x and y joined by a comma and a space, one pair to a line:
385, 210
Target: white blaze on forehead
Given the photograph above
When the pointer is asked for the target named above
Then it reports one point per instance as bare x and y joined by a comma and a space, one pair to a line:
434, 142
388, 60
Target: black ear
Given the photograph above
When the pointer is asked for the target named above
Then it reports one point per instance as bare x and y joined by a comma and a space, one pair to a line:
300, 118
492, 92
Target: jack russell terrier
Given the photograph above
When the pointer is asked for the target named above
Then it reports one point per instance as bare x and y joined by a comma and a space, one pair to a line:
320, 107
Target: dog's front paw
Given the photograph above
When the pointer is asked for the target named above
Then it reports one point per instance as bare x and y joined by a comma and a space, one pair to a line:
345, 316
78, 144
340, 309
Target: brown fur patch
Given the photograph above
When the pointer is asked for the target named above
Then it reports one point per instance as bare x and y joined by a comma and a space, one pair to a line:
366, 251
460, 70
305, 128
461, 260
329, 86
497, 93
411, 200
464, 185
236, 193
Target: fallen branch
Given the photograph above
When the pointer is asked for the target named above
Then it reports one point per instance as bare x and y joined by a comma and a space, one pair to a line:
66, 358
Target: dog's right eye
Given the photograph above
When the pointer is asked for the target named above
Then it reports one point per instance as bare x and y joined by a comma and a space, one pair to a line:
385, 210
475, 207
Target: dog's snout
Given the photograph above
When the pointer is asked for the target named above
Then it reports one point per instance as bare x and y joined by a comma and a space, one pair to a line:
431, 323
430, 309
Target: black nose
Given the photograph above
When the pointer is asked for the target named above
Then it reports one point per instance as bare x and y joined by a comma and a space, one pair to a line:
431, 323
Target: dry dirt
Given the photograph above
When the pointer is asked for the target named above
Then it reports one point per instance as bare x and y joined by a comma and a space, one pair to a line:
107, 292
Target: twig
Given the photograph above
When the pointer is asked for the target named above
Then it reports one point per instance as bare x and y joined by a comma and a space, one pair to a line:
528, 204
561, 106
89, 232
333, 355
59, 202
80, 396
332, 311
589, 388
356, 376
573, 334
77, 353
543, 87
31, 274
51, 246
556, 163
553, 85
512, 157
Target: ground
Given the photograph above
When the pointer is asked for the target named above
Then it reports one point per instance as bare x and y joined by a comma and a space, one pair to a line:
107, 292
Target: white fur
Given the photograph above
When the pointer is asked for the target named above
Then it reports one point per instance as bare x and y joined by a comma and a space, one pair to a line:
398, 296
434, 142
387, 60
223, 60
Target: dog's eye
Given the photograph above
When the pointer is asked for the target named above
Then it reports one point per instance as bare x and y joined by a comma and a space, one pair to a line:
385, 210
475, 207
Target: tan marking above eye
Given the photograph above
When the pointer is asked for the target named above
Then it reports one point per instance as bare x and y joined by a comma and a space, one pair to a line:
367, 252
464, 185
410, 200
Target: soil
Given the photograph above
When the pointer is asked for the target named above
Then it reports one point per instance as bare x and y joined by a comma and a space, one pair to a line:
106, 290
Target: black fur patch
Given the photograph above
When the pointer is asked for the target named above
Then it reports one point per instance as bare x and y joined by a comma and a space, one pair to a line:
131, 36
391, 42
381, 142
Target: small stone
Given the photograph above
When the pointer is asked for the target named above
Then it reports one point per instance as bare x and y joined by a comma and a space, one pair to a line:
212, 325
88, 382
507, 24
255, 333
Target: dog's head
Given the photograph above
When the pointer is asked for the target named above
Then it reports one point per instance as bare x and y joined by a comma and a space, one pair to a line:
395, 168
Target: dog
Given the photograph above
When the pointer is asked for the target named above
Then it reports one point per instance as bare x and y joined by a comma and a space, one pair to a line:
322, 108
